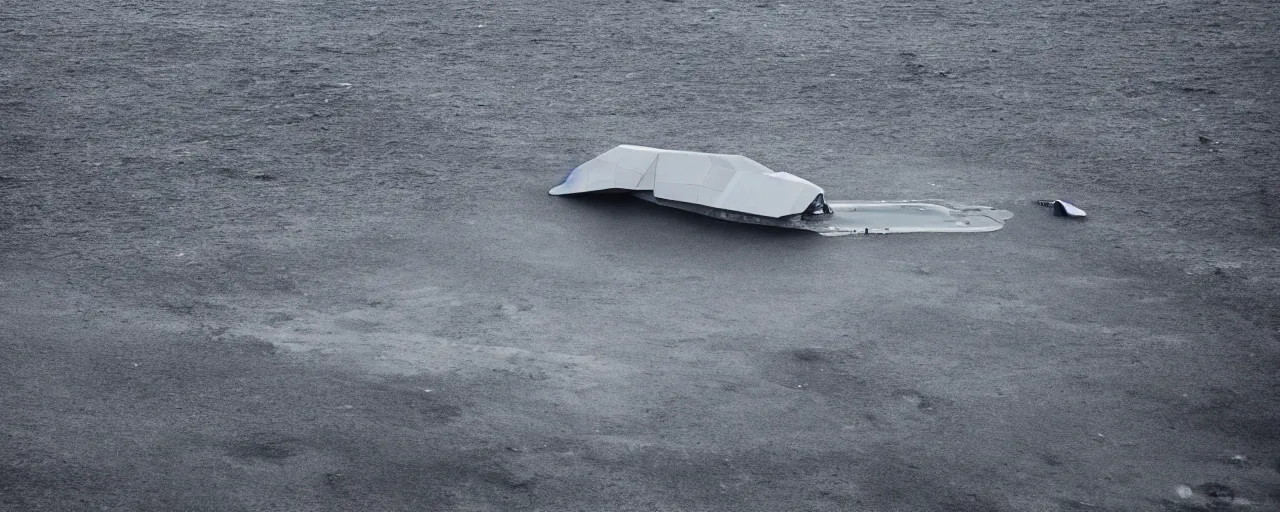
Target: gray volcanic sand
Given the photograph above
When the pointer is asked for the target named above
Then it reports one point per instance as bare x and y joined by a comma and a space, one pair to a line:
299, 256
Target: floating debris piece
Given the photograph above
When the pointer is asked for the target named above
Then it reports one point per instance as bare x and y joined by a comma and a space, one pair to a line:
1062, 208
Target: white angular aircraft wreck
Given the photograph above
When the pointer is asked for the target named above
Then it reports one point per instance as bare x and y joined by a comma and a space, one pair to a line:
737, 188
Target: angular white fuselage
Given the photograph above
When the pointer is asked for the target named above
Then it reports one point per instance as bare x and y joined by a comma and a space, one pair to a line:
727, 182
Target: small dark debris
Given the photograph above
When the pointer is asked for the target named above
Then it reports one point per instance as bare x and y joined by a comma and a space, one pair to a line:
807, 355
277, 319
924, 403
262, 176
1235, 460
1217, 491
335, 482
1205, 140
271, 449
181, 309
1080, 505
1199, 89
250, 345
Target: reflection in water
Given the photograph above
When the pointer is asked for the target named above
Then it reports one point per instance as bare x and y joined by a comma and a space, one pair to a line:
881, 217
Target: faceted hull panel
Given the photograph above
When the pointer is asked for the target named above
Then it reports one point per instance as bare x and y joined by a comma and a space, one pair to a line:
728, 182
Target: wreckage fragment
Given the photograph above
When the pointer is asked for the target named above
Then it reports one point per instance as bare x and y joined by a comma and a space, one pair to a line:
1063, 208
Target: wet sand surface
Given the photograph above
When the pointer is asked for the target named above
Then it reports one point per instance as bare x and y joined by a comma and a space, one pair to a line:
300, 256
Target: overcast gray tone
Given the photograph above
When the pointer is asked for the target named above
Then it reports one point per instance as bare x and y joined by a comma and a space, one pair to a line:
299, 255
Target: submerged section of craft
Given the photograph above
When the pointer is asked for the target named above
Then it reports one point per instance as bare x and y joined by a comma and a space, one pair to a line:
882, 217
867, 217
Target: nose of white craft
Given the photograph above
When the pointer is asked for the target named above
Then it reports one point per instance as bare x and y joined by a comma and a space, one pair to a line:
1066, 209
568, 186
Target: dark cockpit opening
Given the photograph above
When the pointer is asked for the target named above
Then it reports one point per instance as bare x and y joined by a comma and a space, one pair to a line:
817, 209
